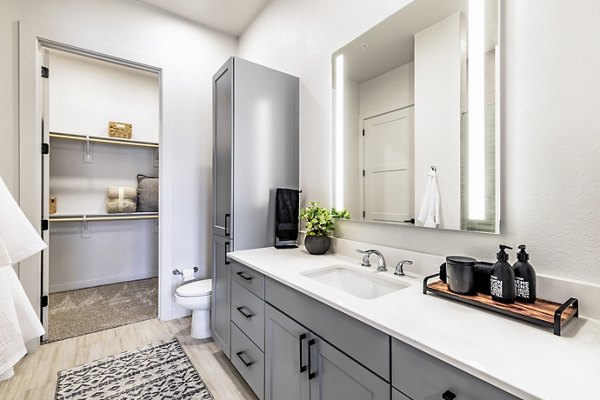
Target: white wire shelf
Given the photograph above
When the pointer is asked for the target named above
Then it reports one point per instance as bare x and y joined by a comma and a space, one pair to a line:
102, 139
102, 217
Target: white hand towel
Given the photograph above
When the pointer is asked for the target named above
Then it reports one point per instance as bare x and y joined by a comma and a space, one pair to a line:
429, 215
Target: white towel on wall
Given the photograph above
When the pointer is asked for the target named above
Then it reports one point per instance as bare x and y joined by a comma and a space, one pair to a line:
429, 215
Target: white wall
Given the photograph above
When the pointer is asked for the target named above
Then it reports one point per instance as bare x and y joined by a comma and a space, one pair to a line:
550, 123
387, 92
189, 55
438, 61
85, 94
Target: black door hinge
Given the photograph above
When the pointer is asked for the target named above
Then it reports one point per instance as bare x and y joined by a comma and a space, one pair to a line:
363, 132
45, 148
45, 72
44, 301
364, 214
363, 172
44, 224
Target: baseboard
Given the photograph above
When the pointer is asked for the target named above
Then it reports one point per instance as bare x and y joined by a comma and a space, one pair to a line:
63, 287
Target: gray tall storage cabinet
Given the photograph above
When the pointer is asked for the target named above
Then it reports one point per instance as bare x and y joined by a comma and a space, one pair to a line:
255, 150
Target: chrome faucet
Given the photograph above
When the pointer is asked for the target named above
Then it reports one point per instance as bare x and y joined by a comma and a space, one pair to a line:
380, 260
400, 267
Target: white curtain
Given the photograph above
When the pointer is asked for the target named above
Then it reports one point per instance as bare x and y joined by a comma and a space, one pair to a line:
18, 320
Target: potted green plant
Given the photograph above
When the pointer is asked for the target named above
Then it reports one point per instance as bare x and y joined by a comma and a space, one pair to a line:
319, 223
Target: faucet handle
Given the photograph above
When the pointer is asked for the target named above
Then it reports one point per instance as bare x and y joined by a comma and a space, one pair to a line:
400, 267
366, 254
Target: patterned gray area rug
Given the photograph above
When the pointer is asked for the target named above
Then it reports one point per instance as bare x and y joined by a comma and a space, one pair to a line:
158, 371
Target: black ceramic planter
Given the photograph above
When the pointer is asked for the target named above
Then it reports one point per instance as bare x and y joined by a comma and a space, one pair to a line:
317, 244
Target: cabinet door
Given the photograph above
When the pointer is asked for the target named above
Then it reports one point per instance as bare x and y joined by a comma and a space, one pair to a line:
335, 376
424, 377
222, 149
221, 298
286, 361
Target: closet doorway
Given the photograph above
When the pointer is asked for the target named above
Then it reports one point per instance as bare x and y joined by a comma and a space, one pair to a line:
101, 125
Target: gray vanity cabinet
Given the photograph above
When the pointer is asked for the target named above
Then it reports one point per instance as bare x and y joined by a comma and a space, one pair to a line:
300, 365
221, 294
286, 363
337, 376
424, 377
396, 395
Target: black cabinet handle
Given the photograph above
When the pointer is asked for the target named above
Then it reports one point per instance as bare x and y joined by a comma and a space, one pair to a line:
243, 276
227, 244
311, 375
301, 339
247, 315
227, 222
246, 363
448, 395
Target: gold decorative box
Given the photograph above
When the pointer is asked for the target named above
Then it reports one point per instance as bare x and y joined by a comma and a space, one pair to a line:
120, 130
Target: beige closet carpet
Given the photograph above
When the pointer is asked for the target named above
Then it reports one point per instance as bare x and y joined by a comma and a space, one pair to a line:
79, 312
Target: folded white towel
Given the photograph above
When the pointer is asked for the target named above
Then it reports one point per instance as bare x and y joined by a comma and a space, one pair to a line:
429, 215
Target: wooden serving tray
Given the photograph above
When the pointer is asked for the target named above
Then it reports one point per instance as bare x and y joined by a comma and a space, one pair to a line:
542, 312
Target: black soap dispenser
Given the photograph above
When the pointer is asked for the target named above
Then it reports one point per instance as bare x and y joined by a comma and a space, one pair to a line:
502, 279
525, 279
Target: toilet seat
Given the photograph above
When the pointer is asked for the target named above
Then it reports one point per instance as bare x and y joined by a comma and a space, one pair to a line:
195, 289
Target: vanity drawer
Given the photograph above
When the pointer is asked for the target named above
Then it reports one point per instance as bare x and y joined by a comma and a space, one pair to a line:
424, 377
248, 313
362, 342
248, 278
249, 360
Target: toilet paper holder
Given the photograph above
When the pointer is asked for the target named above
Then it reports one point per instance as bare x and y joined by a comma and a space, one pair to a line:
178, 272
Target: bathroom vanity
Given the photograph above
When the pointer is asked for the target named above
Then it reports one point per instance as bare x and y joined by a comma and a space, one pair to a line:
298, 334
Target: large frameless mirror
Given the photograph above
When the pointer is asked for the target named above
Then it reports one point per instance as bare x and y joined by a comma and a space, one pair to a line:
415, 118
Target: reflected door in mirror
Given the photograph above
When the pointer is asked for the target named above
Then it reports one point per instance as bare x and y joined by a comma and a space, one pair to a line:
388, 165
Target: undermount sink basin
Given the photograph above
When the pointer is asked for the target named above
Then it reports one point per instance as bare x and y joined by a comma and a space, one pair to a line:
363, 284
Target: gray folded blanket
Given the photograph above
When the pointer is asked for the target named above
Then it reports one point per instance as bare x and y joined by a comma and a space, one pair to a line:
122, 193
121, 206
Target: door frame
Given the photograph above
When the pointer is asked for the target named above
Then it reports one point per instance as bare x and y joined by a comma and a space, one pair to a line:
32, 40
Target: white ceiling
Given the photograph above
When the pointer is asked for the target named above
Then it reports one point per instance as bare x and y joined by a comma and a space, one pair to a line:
229, 16
390, 43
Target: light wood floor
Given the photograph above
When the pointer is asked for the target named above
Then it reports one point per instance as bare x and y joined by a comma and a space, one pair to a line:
35, 375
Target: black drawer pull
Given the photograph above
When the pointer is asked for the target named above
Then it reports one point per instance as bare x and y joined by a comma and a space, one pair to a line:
448, 395
227, 222
246, 363
301, 339
227, 262
244, 276
311, 375
247, 315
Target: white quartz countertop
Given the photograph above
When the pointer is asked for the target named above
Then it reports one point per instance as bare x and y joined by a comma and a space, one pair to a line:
518, 357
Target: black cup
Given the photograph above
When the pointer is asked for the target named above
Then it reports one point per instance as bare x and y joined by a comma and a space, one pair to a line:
460, 274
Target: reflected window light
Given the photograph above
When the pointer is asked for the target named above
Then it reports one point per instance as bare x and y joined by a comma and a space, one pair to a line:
476, 110
339, 133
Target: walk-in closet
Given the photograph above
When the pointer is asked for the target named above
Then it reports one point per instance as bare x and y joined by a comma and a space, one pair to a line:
100, 185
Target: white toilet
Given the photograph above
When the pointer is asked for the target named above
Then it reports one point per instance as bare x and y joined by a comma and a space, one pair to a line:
195, 296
